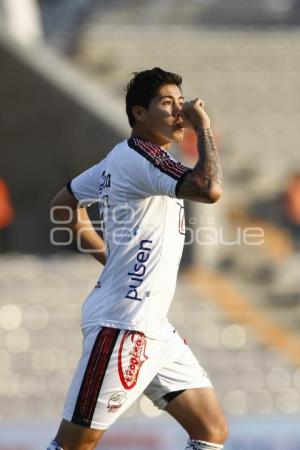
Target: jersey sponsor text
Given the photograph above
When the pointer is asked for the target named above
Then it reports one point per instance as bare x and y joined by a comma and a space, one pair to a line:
139, 270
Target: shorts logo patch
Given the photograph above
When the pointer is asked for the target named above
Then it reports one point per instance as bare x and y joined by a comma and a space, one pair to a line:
131, 360
116, 401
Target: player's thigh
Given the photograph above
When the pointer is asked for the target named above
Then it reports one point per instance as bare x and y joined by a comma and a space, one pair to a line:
71, 436
199, 412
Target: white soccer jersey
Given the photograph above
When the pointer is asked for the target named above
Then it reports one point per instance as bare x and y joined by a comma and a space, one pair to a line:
143, 226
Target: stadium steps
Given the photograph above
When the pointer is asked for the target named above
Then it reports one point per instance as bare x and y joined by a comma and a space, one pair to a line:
236, 12
241, 310
277, 242
268, 273
162, 12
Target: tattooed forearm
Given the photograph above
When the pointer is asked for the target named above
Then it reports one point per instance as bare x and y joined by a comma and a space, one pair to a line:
208, 167
204, 182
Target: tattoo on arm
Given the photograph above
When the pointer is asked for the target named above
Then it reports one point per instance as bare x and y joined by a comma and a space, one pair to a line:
208, 168
206, 173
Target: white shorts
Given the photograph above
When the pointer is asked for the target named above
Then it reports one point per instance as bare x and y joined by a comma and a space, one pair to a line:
117, 366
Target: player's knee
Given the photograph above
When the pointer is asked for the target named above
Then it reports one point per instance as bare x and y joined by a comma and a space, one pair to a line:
73, 437
86, 443
216, 432
220, 433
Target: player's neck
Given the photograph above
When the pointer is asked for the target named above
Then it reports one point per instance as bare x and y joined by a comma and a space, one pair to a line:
150, 137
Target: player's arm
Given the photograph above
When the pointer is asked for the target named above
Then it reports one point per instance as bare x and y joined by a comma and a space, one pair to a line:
65, 208
203, 183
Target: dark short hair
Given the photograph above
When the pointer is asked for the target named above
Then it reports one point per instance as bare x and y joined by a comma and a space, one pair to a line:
144, 86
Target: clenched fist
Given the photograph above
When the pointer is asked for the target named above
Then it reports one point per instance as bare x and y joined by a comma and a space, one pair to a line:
194, 114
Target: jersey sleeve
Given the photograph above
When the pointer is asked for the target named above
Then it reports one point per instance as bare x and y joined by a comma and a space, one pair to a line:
155, 173
85, 187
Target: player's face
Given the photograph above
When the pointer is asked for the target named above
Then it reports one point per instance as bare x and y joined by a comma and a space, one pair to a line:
162, 118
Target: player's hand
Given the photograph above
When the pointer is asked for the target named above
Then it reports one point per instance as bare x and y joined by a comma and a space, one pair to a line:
194, 114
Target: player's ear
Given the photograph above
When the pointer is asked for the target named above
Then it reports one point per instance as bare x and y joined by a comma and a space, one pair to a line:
139, 113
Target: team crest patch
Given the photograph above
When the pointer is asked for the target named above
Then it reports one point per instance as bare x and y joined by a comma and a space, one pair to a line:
131, 357
116, 401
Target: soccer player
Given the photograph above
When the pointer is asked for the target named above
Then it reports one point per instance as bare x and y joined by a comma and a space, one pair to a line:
129, 347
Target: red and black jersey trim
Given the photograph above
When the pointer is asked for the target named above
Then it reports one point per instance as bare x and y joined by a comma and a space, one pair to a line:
158, 157
94, 376
68, 186
180, 181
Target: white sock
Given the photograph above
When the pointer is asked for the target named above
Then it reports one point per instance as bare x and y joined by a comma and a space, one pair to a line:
54, 446
194, 444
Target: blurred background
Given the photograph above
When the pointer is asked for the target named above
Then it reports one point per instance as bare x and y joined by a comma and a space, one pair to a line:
64, 65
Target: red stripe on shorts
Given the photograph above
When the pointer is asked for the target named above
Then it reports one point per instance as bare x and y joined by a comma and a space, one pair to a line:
94, 376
